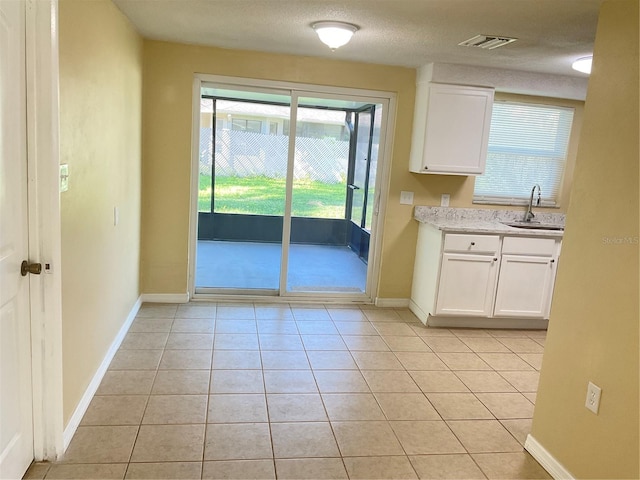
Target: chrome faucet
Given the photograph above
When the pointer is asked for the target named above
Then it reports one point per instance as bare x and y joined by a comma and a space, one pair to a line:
528, 215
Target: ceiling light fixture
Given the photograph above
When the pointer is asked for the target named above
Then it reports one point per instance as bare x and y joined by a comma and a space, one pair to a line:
334, 34
583, 64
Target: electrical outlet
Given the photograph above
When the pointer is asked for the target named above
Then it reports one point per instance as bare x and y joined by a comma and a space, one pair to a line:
444, 200
406, 198
593, 397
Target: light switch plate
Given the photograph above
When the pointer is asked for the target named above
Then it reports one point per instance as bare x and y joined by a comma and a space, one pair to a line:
406, 198
64, 177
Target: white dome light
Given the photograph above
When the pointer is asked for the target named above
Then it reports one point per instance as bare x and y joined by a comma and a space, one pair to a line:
583, 65
334, 34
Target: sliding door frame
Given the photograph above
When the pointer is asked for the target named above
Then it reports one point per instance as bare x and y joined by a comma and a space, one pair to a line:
286, 221
295, 90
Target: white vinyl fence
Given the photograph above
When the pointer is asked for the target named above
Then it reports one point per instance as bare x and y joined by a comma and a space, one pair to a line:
244, 154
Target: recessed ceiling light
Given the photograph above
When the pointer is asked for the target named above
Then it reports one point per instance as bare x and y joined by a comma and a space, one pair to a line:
583, 64
335, 34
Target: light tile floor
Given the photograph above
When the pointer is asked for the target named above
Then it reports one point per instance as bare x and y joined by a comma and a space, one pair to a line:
305, 391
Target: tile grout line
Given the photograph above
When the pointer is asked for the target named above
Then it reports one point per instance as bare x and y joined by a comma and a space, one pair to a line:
326, 412
266, 403
206, 412
360, 370
144, 410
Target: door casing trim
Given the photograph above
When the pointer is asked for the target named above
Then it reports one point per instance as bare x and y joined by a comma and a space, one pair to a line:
43, 158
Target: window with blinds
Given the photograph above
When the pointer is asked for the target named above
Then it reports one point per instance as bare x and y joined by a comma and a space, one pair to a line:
527, 145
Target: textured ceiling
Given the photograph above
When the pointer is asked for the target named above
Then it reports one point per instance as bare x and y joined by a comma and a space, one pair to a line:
551, 33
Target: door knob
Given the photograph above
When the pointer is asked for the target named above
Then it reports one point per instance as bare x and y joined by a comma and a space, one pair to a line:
26, 267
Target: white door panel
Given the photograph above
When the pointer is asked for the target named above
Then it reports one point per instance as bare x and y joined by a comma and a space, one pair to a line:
16, 429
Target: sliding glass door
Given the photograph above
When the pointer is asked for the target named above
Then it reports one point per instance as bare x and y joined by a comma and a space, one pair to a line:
286, 192
330, 185
241, 199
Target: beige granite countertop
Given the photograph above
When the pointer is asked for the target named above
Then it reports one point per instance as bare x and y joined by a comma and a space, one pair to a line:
471, 220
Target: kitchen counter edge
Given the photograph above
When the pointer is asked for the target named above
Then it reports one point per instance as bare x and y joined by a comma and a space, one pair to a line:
485, 221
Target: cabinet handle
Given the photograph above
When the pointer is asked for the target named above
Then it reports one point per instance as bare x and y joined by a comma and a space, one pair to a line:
552, 260
473, 243
495, 259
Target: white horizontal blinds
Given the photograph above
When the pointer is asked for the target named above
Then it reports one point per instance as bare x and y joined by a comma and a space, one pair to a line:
527, 146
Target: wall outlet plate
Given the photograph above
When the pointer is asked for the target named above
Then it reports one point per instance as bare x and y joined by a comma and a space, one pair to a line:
593, 397
444, 200
406, 198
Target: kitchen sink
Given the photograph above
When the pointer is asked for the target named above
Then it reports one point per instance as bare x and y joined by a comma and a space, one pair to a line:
534, 225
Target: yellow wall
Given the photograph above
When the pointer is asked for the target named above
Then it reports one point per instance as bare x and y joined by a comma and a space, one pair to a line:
100, 139
168, 78
593, 329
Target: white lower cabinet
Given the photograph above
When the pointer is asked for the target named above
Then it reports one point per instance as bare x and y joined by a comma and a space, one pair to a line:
484, 276
467, 284
525, 286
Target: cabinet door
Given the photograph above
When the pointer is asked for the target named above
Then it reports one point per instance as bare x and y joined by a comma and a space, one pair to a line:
525, 286
467, 285
457, 130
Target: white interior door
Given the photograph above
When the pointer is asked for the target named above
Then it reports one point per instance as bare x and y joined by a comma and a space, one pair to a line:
16, 429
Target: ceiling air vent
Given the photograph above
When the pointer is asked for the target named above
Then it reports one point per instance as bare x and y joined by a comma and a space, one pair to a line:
488, 42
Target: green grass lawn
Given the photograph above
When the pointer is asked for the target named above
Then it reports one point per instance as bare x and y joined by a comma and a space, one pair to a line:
260, 195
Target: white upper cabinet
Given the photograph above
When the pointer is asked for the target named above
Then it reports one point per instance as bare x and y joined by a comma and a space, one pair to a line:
450, 129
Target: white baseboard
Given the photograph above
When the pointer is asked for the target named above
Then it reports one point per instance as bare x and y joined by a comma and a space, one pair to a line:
165, 297
421, 314
392, 302
80, 410
548, 461
482, 322
477, 322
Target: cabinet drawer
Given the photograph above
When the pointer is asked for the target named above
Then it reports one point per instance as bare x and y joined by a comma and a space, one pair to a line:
542, 247
488, 244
